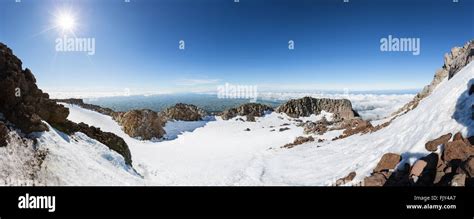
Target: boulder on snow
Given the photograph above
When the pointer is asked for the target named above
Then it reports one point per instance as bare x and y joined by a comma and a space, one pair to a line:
376, 179
388, 162
144, 124
306, 106
346, 179
418, 168
433, 144
457, 150
3, 134
183, 112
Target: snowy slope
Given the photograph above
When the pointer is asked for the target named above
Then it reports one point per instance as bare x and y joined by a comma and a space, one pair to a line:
447, 109
222, 153
70, 160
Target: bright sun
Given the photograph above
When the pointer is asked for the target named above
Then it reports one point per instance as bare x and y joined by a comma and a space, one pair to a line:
66, 22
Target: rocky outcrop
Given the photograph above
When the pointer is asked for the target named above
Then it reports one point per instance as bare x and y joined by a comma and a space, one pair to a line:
306, 106
144, 124
25, 106
3, 134
251, 110
299, 140
111, 140
21, 101
184, 112
80, 102
453, 62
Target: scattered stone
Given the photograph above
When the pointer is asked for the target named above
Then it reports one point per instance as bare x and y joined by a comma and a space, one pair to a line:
283, 129
299, 140
388, 162
285, 124
376, 179
433, 144
319, 127
247, 129
272, 130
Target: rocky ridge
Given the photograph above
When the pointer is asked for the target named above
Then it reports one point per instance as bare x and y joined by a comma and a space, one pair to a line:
24, 106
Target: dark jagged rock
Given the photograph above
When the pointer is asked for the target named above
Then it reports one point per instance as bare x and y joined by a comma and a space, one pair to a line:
3, 134
24, 105
307, 106
251, 110
96, 108
144, 124
184, 112
111, 140
21, 102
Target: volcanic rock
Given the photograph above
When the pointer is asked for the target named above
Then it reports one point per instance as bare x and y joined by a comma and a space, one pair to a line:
109, 139
388, 162
3, 134
251, 110
144, 124
184, 112
433, 144
299, 140
306, 106
346, 179
457, 150
21, 102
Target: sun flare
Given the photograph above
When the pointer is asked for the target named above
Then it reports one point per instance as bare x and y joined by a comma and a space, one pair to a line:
66, 22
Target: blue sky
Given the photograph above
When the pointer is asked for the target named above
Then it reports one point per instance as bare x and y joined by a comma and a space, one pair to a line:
337, 45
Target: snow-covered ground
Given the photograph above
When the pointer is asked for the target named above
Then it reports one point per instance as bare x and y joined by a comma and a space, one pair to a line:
218, 152
222, 153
